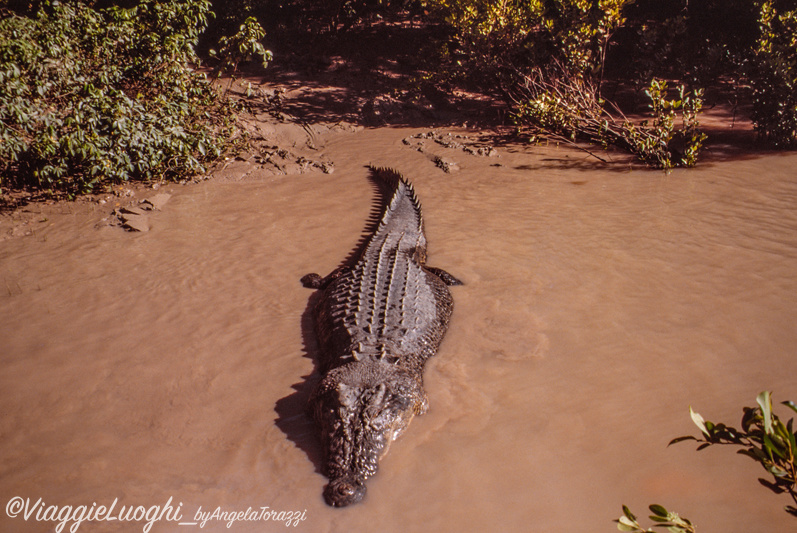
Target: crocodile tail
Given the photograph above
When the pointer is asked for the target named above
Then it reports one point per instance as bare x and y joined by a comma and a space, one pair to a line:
402, 210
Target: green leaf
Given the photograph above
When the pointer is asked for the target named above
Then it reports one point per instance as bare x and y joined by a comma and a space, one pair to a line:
792, 438
778, 472
790, 404
658, 510
781, 432
773, 446
627, 512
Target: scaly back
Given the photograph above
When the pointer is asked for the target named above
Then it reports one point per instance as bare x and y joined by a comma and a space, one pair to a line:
401, 217
387, 304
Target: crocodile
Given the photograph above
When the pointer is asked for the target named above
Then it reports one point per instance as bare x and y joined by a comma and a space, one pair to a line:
379, 317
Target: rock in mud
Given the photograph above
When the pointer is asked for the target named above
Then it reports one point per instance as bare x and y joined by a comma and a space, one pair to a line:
451, 141
155, 202
447, 164
133, 218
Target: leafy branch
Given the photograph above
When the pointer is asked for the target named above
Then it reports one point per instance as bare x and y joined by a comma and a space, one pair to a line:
664, 518
763, 437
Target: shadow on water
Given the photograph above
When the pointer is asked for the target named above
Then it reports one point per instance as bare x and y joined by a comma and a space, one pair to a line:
579, 163
293, 415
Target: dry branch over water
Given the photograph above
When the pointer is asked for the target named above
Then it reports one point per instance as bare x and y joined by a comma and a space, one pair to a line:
569, 108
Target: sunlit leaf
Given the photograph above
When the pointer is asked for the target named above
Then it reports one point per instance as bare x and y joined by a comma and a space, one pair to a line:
764, 399
699, 422
777, 471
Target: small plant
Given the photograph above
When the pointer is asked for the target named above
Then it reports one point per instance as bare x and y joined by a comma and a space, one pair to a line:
658, 140
243, 46
764, 438
664, 518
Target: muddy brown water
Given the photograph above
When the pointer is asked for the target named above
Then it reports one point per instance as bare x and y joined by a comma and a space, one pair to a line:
599, 304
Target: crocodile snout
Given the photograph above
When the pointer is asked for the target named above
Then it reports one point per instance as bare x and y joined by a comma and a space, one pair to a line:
344, 491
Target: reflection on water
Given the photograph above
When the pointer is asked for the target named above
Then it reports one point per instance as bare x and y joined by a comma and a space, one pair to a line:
597, 306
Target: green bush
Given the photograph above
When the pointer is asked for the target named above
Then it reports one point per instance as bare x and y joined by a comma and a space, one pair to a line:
774, 74
504, 44
659, 141
694, 42
548, 58
520, 33
89, 97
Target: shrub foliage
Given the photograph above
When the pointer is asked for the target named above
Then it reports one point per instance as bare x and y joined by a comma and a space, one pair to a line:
521, 32
774, 74
549, 58
95, 96
90, 95
570, 108
554, 53
764, 437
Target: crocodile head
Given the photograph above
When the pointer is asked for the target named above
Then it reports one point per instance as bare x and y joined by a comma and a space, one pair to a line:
361, 408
